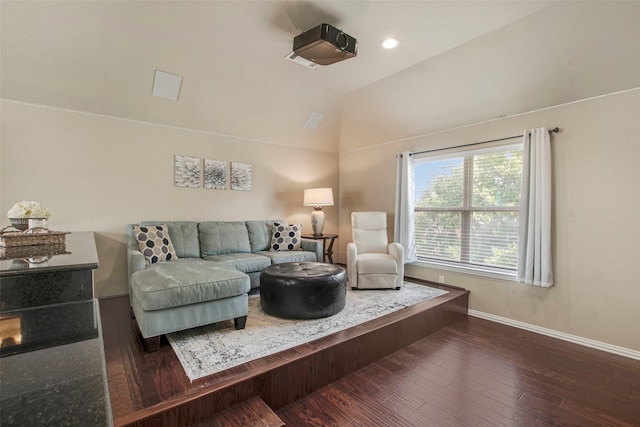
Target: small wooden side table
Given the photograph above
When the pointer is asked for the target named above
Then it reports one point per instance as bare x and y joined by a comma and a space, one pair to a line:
326, 250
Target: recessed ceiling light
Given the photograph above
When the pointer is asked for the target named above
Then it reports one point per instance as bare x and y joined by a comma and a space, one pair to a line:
390, 43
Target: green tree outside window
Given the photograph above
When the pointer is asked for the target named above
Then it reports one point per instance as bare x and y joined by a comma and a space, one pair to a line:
467, 208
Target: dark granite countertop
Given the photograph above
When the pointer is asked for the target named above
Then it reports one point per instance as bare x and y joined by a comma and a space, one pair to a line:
78, 252
61, 385
52, 364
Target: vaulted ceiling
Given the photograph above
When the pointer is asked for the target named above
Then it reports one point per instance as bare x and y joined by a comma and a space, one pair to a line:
100, 58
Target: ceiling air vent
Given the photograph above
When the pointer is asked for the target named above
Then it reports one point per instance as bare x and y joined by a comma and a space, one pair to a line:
300, 60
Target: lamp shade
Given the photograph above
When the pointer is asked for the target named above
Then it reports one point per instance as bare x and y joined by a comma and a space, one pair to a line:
318, 197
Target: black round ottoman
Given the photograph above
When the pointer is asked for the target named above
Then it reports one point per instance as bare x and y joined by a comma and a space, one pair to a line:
303, 290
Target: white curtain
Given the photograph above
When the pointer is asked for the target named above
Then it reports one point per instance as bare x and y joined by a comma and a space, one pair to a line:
403, 231
534, 245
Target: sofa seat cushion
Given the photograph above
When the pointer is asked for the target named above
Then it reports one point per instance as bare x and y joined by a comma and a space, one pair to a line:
186, 281
247, 263
376, 264
281, 257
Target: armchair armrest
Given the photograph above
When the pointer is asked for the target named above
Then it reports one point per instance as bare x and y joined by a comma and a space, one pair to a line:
352, 258
396, 250
313, 246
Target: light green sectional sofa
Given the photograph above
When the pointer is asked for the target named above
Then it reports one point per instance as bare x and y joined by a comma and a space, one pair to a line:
218, 262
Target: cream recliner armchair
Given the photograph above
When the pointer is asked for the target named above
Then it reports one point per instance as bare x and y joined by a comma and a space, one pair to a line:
372, 262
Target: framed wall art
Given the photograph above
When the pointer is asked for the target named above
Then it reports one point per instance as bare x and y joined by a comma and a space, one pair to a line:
215, 174
241, 176
187, 171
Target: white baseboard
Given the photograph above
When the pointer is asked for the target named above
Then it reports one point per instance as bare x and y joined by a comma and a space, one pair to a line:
626, 352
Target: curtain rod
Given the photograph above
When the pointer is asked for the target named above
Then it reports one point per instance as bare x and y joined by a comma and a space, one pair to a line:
554, 130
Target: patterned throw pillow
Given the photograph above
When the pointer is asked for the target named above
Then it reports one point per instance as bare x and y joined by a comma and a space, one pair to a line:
154, 243
286, 237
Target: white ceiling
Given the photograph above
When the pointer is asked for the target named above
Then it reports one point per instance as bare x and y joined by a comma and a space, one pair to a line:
100, 57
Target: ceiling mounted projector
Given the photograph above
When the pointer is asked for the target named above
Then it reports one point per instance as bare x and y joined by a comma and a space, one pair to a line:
325, 45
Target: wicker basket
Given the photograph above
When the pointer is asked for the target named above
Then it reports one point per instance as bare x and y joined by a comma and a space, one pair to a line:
11, 239
22, 252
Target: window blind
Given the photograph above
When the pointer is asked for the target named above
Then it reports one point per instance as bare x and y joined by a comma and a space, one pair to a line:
467, 207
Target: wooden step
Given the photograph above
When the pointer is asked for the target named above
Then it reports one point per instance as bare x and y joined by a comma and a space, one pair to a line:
250, 413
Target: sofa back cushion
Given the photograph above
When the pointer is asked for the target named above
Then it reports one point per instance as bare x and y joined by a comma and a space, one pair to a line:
260, 233
184, 236
220, 237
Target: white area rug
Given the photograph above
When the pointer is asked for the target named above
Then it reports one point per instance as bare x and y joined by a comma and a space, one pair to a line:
209, 349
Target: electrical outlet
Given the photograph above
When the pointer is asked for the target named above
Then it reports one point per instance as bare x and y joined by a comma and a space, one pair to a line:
441, 279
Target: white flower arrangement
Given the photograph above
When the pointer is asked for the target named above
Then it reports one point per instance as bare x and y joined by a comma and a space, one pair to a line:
26, 209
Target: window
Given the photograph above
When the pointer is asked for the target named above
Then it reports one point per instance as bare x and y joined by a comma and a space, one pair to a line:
467, 207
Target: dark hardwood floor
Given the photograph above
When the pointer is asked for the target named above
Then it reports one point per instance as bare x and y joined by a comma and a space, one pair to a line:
427, 365
479, 373
151, 389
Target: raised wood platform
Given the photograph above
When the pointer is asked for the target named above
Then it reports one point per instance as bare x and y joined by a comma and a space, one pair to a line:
153, 390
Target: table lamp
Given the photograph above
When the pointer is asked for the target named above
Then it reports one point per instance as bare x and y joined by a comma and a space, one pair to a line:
318, 197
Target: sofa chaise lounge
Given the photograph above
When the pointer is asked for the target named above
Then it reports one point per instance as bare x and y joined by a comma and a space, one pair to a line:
215, 265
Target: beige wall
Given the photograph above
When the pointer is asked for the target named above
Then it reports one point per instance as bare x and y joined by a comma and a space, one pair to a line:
596, 240
99, 173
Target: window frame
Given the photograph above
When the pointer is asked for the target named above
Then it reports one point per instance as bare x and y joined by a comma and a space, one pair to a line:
467, 211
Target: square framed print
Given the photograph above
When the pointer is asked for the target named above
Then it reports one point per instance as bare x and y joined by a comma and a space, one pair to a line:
187, 171
241, 176
215, 174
